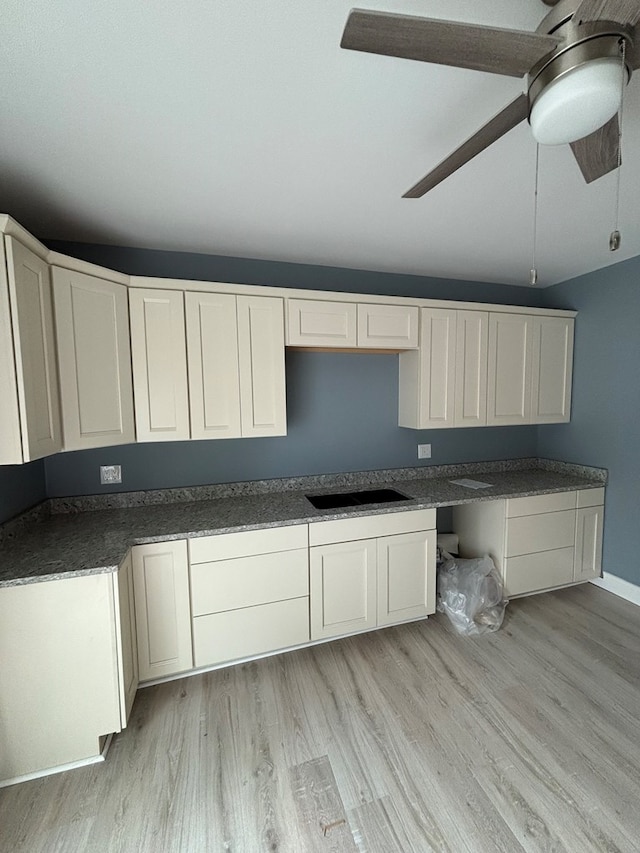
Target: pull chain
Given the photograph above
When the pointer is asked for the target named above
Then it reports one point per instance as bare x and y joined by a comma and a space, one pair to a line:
533, 275
614, 239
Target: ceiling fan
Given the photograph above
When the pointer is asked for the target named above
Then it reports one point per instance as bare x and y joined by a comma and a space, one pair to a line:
573, 63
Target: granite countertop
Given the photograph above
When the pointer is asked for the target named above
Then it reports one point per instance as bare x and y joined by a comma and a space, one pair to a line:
80, 543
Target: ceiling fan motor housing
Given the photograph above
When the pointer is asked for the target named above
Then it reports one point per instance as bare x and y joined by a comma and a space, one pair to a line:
577, 88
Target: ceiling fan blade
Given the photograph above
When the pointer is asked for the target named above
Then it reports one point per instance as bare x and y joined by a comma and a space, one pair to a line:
597, 154
499, 51
625, 12
634, 58
510, 116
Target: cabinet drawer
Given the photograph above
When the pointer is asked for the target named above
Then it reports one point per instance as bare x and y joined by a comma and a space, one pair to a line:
540, 503
532, 572
543, 532
246, 543
315, 323
371, 526
590, 497
247, 581
250, 631
390, 326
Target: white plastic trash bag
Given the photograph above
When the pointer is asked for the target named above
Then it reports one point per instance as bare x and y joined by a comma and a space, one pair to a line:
470, 593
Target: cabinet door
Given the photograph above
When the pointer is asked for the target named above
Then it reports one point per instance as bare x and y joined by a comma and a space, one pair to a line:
438, 369
406, 576
92, 324
163, 614
588, 549
212, 354
261, 361
30, 418
472, 333
552, 369
509, 378
315, 323
159, 359
388, 326
127, 640
343, 588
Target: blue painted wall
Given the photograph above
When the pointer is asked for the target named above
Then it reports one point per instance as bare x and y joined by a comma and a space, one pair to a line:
605, 418
21, 487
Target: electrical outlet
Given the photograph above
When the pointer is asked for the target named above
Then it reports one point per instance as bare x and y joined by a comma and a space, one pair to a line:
110, 474
424, 451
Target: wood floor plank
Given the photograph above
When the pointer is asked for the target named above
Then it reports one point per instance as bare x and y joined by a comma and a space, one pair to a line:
419, 739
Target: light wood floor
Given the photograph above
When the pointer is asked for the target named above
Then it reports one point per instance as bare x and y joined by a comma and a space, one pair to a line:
409, 739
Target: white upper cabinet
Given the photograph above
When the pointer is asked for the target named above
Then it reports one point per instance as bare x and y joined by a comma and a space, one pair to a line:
316, 323
214, 372
444, 383
472, 332
92, 324
552, 369
388, 326
261, 362
159, 358
510, 369
320, 323
29, 406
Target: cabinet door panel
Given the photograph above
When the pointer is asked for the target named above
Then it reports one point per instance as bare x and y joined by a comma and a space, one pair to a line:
406, 576
316, 323
388, 326
36, 371
438, 369
261, 360
509, 378
343, 588
163, 614
249, 631
471, 368
92, 322
588, 551
212, 351
159, 358
534, 572
552, 369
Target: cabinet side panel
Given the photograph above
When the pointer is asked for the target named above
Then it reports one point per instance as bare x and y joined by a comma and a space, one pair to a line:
481, 529
58, 673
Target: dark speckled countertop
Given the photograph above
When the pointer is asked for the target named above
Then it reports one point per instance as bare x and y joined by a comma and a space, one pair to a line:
79, 543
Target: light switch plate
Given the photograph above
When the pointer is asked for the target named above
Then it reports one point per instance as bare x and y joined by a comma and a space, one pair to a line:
424, 451
110, 474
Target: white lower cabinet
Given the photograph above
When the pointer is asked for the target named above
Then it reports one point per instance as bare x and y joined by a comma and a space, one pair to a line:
537, 542
162, 609
59, 673
249, 593
360, 580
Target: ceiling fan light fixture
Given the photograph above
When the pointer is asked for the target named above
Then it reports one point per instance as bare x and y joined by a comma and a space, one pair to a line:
578, 102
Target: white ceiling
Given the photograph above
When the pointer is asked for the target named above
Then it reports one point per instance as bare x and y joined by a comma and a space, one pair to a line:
241, 128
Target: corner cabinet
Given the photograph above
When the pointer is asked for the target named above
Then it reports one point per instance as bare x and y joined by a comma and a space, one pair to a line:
371, 571
92, 325
30, 425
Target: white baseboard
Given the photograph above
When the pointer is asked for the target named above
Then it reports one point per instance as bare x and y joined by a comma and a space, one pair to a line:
619, 587
49, 771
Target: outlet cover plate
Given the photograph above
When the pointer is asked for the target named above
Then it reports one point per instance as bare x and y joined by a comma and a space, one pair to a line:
110, 474
424, 451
